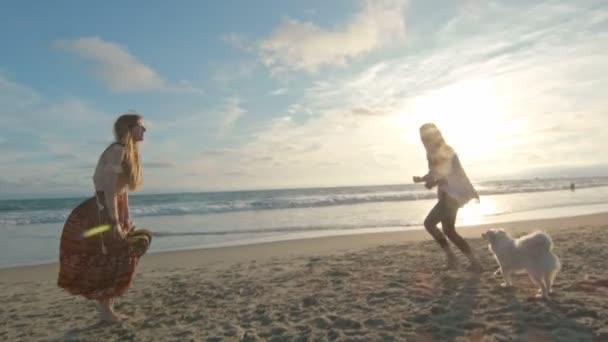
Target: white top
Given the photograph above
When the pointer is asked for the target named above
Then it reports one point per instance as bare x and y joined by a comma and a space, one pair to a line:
105, 178
109, 164
452, 179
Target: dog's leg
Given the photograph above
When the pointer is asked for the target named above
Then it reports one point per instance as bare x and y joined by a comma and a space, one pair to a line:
507, 277
539, 280
549, 281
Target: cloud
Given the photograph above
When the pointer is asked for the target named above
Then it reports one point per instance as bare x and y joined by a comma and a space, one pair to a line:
370, 111
118, 69
16, 97
230, 114
220, 120
158, 164
42, 143
305, 46
238, 41
510, 98
225, 73
214, 152
279, 91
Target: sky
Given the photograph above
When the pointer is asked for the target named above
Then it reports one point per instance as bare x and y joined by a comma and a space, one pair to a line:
281, 94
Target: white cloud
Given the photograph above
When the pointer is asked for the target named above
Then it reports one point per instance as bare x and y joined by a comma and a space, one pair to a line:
335, 148
230, 114
238, 41
219, 119
42, 144
509, 98
279, 91
118, 69
225, 73
304, 46
14, 99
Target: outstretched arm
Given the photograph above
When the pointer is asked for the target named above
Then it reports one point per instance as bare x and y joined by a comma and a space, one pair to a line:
424, 179
428, 180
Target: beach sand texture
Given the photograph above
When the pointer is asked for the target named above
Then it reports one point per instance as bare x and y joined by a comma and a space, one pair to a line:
378, 287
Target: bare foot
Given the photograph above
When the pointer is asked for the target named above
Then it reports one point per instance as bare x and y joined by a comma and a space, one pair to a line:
109, 317
106, 313
121, 316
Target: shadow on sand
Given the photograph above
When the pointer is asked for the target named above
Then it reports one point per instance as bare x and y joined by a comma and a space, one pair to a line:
450, 315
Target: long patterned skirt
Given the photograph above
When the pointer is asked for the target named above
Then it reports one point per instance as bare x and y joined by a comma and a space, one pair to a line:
101, 266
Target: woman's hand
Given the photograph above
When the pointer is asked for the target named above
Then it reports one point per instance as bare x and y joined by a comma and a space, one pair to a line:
418, 179
130, 226
117, 232
430, 184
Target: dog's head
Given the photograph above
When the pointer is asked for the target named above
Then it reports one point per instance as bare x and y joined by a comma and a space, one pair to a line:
493, 235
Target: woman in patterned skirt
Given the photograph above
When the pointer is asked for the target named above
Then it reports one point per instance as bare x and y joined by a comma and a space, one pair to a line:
101, 267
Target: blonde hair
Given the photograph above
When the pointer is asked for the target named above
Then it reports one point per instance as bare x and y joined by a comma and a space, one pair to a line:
437, 150
130, 163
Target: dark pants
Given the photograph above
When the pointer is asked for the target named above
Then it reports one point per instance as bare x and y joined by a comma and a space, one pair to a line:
445, 211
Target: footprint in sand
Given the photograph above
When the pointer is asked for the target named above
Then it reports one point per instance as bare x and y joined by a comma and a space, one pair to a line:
337, 273
309, 301
582, 313
320, 322
343, 323
374, 323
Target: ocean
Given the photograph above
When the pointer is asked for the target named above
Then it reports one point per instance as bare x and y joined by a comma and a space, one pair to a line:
30, 228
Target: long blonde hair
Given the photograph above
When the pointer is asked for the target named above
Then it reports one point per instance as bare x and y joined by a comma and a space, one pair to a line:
130, 163
438, 152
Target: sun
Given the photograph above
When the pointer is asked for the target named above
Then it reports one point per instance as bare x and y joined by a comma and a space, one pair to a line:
469, 114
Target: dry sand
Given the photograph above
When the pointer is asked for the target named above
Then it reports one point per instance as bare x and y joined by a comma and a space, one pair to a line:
372, 287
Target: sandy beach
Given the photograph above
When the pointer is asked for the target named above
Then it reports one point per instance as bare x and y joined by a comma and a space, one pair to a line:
371, 287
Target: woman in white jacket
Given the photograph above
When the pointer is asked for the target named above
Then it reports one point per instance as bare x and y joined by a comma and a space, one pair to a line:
453, 191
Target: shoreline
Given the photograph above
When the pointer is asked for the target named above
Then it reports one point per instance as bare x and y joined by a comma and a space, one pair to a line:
30, 249
368, 287
312, 246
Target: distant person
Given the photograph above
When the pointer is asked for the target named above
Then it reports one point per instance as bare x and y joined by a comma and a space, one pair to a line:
572, 187
453, 191
101, 267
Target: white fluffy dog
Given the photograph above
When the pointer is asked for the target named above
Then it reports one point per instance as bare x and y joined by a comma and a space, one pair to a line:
532, 252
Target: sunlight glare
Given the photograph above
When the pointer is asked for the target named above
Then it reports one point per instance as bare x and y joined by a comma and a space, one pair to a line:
469, 113
473, 213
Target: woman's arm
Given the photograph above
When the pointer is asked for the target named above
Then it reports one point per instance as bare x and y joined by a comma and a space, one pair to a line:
109, 192
128, 212
440, 166
429, 179
111, 171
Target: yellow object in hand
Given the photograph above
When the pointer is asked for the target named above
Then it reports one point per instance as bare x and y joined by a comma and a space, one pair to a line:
96, 230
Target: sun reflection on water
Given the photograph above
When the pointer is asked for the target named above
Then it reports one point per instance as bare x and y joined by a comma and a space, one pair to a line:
474, 213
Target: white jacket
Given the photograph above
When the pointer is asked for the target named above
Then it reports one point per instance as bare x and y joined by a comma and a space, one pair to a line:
451, 177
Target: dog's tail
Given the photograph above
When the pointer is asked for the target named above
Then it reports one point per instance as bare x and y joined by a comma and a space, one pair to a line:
539, 241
